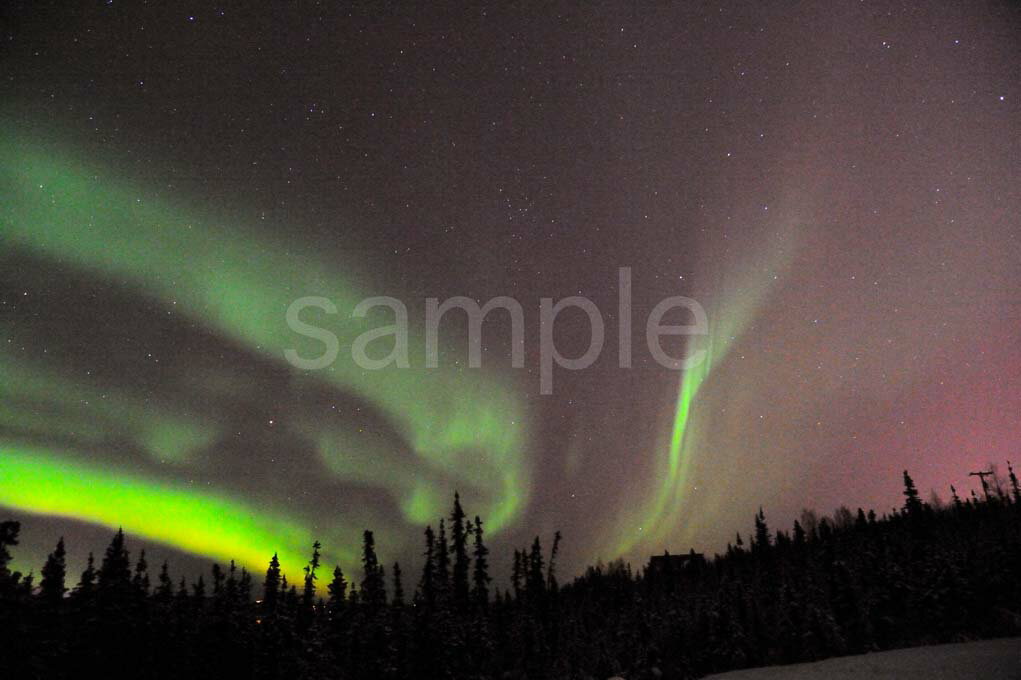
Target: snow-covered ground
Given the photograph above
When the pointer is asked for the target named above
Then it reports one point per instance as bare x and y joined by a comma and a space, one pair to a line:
985, 660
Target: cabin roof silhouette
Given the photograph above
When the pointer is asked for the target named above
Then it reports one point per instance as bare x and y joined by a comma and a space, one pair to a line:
666, 562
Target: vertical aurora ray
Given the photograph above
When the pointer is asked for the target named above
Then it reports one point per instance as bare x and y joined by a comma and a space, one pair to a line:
740, 293
464, 430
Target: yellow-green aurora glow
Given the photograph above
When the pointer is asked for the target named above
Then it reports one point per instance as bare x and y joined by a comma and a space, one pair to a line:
193, 520
445, 430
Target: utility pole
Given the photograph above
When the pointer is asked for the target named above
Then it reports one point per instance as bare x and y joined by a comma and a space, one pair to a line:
982, 476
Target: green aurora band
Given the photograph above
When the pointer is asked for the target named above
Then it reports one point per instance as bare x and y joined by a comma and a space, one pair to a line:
465, 429
198, 522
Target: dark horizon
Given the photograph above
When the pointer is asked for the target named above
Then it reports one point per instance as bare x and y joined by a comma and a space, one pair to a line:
853, 584
996, 487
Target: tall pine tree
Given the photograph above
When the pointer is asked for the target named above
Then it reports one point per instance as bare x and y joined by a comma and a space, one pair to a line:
427, 586
398, 598
480, 575
373, 584
442, 561
459, 550
51, 587
912, 502
309, 591
271, 586
551, 570
761, 541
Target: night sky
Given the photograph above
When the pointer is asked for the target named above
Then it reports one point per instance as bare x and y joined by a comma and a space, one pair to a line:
835, 183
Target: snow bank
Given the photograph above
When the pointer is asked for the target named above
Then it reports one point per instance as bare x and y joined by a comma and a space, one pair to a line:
988, 660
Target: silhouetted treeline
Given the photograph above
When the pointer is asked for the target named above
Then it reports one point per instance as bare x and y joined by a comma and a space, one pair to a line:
926, 573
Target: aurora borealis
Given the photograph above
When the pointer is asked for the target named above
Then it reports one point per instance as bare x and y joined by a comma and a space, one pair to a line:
461, 432
837, 187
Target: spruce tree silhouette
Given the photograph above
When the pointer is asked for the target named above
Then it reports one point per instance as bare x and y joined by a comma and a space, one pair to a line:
398, 596
799, 533
230, 588
337, 591
114, 579
9, 531
518, 573
551, 570
245, 586
337, 633
825, 530
480, 575
912, 503
271, 586
306, 612
54, 572
427, 585
372, 631
442, 562
761, 540
164, 585
459, 550
309, 591
535, 581
87, 583
955, 498
1015, 488
218, 579
354, 599
140, 579
373, 583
